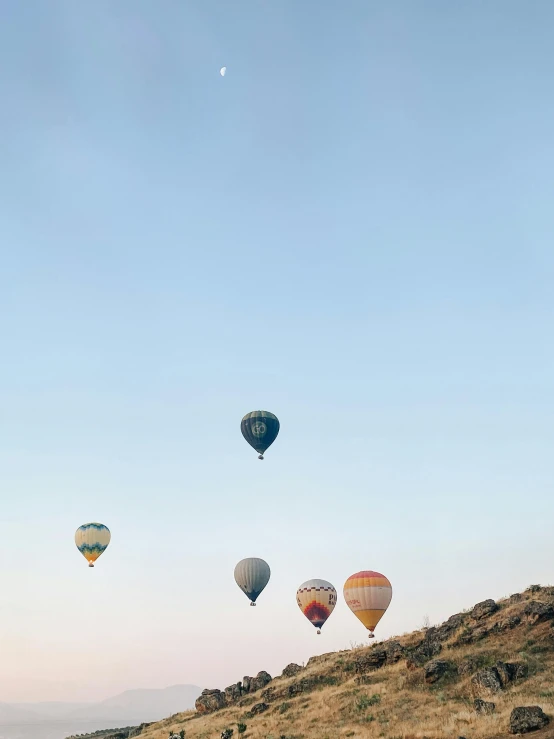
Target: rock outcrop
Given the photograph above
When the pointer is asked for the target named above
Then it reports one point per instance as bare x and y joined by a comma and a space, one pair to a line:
209, 701
372, 660
484, 609
214, 700
257, 709
494, 679
536, 612
483, 707
527, 718
486, 680
427, 649
435, 669
291, 670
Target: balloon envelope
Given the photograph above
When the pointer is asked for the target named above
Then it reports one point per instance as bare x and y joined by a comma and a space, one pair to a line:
368, 595
252, 575
316, 599
260, 429
92, 539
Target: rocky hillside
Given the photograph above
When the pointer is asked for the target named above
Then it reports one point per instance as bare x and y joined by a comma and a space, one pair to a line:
487, 672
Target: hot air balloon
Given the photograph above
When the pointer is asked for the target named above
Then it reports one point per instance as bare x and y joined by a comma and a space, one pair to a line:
368, 595
260, 429
252, 575
92, 539
316, 599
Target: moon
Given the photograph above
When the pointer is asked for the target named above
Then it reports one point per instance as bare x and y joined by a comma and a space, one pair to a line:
222, 71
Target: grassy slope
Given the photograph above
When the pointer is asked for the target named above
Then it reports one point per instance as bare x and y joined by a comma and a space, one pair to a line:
394, 701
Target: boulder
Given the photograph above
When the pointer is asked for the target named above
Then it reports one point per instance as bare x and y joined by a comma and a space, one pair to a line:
251, 684
527, 718
258, 708
509, 671
260, 681
483, 707
291, 670
371, 660
302, 686
507, 624
467, 666
269, 694
447, 629
423, 652
209, 701
233, 693
504, 673
394, 651
435, 669
469, 636
484, 609
537, 612
486, 680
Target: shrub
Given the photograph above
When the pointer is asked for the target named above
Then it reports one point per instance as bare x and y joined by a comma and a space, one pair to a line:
365, 701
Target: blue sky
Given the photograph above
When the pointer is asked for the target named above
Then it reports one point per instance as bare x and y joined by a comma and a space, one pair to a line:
352, 229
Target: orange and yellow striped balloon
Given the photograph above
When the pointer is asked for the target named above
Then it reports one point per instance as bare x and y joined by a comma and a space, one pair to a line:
368, 595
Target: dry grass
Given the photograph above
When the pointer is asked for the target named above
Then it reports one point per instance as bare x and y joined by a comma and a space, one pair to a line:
395, 702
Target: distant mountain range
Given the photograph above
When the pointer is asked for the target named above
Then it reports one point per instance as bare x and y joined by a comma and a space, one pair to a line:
57, 720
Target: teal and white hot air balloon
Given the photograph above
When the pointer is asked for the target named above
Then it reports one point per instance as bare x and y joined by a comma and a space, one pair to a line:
260, 429
92, 539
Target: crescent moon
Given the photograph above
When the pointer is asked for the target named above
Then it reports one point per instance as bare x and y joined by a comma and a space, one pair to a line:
222, 71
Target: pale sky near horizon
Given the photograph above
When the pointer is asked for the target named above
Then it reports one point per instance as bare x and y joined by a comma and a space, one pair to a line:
352, 229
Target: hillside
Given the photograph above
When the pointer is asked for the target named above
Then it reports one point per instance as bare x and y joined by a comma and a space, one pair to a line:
463, 678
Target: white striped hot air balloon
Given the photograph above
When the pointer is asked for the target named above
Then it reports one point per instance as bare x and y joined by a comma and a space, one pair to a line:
92, 540
368, 595
316, 599
252, 575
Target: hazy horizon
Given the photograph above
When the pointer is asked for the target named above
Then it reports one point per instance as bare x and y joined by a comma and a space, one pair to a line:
353, 230
58, 720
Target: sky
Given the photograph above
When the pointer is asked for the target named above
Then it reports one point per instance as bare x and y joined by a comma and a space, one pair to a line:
353, 230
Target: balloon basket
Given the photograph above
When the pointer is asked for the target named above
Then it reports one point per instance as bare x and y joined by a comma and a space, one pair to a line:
91, 564
261, 456
318, 631
252, 604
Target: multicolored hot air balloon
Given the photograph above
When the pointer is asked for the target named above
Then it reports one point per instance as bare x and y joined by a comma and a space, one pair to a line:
316, 599
260, 429
368, 595
252, 575
92, 539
